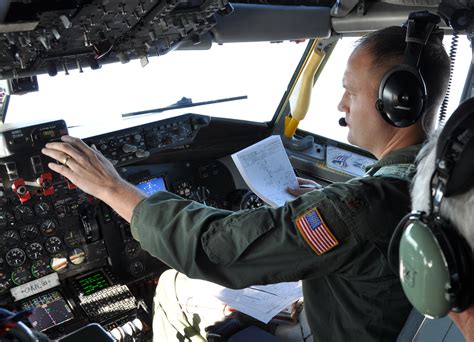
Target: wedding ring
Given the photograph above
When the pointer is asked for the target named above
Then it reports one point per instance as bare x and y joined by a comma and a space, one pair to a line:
65, 160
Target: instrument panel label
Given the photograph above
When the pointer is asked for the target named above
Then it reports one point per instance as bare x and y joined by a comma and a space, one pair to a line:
35, 286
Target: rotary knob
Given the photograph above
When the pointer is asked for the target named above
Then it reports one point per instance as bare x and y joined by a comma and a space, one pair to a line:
128, 148
142, 153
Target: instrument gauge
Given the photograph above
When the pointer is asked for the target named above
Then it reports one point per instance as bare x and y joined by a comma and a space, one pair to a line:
5, 285
53, 245
61, 211
136, 268
21, 275
40, 268
184, 189
132, 249
250, 201
49, 227
23, 212
77, 256
10, 238
34, 251
42, 208
29, 232
6, 218
58, 263
72, 238
15, 257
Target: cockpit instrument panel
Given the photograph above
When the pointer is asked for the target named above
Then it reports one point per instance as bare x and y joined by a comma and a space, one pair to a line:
70, 257
40, 37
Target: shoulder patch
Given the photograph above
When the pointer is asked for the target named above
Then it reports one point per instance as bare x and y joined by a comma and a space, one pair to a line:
315, 232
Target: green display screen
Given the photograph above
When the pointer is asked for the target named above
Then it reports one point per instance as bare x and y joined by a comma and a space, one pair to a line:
92, 283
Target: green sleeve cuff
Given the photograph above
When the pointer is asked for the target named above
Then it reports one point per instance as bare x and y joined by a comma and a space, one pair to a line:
133, 224
143, 208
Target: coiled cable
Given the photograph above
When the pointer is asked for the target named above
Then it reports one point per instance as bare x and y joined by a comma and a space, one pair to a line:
452, 57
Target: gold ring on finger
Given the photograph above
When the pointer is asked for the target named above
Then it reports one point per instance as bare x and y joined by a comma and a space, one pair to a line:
65, 160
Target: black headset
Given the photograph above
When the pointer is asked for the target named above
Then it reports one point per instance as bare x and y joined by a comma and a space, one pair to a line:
435, 262
402, 91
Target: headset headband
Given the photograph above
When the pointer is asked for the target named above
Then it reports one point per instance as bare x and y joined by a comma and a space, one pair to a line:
419, 27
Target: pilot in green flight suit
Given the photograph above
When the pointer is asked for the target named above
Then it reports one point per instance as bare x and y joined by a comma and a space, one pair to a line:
334, 239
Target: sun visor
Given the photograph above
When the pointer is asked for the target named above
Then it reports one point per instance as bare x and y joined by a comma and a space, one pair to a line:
253, 23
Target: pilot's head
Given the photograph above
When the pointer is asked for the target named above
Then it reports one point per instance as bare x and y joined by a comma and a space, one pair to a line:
374, 55
436, 248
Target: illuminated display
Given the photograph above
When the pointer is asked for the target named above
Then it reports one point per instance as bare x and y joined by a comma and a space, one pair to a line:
151, 186
48, 134
49, 309
92, 283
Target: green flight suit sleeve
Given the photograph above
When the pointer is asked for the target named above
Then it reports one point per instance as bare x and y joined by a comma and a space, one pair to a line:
238, 249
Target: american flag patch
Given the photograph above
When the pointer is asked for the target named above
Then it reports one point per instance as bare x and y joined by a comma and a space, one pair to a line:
315, 232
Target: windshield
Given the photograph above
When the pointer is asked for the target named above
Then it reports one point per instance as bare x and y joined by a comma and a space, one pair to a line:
323, 116
96, 100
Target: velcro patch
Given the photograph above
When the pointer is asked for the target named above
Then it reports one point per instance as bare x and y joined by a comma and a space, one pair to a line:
315, 232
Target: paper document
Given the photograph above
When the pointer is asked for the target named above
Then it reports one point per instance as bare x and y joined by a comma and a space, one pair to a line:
262, 302
266, 169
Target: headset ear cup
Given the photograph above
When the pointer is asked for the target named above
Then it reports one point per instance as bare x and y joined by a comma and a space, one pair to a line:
459, 257
425, 287
402, 95
445, 284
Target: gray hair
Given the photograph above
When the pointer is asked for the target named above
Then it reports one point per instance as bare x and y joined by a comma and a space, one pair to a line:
459, 209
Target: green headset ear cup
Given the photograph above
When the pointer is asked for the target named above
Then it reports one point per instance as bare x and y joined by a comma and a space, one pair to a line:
424, 271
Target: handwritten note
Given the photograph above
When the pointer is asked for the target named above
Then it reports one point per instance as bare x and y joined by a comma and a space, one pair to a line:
266, 169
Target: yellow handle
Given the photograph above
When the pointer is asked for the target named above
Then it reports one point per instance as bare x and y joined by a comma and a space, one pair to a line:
304, 95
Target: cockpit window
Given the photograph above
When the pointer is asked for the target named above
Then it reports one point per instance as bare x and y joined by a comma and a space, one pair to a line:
322, 117
260, 71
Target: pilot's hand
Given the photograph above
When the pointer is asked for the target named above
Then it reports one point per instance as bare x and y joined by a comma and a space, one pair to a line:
94, 174
305, 185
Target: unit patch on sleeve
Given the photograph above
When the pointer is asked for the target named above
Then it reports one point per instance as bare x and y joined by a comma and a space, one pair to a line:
315, 232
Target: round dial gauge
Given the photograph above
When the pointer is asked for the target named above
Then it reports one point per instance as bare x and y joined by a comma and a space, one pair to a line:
15, 257
77, 256
250, 201
6, 218
136, 268
72, 238
132, 249
48, 227
23, 211
184, 189
61, 211
42, 208
29, 232
40, 268
34, 251
21, 275
10, 238
53, 244
5, 285
58, 263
